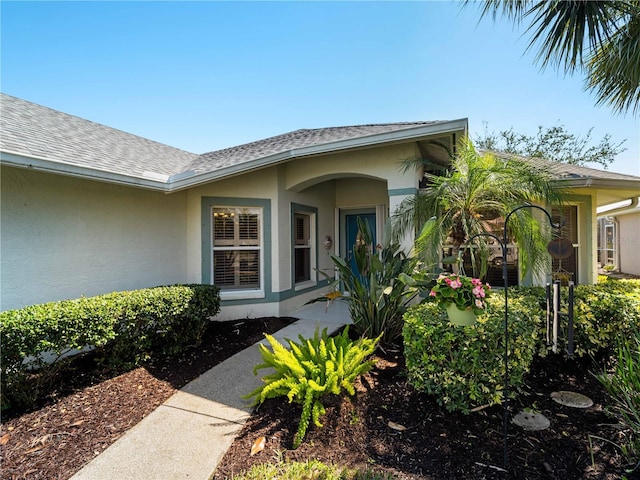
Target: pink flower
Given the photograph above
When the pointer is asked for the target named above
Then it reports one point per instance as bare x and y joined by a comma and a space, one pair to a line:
455, 283
432, 293
479, 292
476, 282
479, 303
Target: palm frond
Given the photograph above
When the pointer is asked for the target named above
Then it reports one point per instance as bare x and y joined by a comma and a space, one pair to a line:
614, 68
566, 30
512, 9
478, 189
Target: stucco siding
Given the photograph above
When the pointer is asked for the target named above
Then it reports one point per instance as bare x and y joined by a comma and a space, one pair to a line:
629, 242
380, 163
64, 237
259, 185
361, 192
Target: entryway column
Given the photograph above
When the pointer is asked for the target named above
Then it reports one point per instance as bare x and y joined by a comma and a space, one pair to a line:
396, 197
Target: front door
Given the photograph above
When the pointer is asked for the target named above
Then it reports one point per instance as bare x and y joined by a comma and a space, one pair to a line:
351, 234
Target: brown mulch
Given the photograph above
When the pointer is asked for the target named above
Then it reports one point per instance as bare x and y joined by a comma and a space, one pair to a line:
56, 440
438, 445
93, 408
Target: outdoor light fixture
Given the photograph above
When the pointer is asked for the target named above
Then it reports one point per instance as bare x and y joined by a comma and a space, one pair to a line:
328, 243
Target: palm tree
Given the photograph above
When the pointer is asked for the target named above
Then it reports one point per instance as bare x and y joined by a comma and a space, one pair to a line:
598, 37
470, 198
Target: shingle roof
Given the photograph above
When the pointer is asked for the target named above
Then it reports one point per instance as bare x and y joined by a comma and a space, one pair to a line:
32, 130
35, 131
292, 141
564, 171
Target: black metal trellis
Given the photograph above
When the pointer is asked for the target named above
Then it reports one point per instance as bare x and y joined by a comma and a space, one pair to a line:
504, 245
555, 315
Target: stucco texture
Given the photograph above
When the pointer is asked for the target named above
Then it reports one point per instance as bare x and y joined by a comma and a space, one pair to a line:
64, 238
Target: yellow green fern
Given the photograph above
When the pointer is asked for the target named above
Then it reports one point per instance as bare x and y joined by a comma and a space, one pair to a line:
310, 369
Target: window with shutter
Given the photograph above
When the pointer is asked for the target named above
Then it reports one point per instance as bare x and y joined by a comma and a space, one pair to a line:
237, 246
303, 241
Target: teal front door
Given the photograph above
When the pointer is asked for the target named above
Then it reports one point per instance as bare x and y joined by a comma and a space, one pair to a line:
351, 231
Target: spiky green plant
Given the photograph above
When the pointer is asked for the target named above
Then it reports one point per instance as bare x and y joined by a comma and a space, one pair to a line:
381, 285
623, 386
311, 369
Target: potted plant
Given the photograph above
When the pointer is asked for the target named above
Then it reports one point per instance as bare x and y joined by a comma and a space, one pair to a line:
462, 297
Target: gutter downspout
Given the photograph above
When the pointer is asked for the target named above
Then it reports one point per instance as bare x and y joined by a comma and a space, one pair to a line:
611, 215
614, 211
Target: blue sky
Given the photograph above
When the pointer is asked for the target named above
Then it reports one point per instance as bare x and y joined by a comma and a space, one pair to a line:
207, 75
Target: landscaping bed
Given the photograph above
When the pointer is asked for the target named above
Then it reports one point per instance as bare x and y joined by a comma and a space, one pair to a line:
437, 444
94, 410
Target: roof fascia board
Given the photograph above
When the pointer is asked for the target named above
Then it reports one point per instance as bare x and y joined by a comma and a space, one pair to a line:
590, 182
378, 138
348, 144
43, 165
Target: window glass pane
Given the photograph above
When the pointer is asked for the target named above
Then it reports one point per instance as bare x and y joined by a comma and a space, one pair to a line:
301, 229
302, 264
302, 243
248, 228
249, 269
236, 248
224, 272
223, 227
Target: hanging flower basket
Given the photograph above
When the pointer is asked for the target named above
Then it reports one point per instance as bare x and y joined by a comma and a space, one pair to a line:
463, 297
464, 317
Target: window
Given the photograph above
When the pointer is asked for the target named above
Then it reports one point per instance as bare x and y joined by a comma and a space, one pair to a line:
566, 269
302, 247
237, 248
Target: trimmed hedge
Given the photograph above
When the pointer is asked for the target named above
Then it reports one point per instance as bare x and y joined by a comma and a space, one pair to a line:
463, 367
124, 327
602, 312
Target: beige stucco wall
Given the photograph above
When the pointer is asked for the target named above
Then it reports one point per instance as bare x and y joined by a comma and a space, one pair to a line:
63, 238
326, 183
629, 242
380, 163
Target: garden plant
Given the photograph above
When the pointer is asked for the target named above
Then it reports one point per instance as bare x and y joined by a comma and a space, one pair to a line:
379, 289
312, 369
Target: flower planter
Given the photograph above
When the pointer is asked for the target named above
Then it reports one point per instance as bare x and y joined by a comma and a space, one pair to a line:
459, 317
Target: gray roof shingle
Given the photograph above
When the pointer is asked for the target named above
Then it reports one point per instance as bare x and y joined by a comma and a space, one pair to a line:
291, 141
565, 171
31, 130
35, 131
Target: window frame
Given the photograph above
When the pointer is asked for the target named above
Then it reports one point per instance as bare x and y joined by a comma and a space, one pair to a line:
263, 206
312, 214
238, 244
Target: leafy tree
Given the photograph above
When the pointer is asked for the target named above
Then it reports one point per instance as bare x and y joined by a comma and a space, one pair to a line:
553, 143
470, 198
597, 37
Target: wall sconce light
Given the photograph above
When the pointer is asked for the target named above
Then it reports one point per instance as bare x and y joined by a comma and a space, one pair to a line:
328, 243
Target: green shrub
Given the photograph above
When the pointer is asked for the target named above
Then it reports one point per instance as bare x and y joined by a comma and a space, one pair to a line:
312, 369
602, 312
623, 386
163, 319
124, 327
463, 367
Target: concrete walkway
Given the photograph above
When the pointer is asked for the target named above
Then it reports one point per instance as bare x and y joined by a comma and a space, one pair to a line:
186, 436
